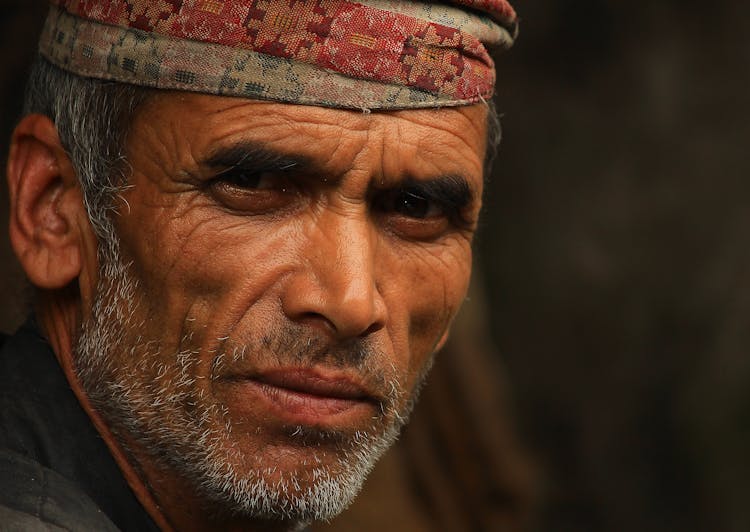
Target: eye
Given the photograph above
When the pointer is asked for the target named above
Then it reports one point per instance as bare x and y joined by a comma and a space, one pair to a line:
411, 214
249, 180
252, 192
414, 205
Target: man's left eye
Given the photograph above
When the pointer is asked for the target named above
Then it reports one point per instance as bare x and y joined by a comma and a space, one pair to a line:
412, 214
414, 205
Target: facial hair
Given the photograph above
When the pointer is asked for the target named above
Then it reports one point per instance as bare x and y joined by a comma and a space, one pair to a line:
153, 400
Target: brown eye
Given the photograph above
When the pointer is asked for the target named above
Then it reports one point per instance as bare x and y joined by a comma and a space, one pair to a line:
252, 192
410, 203
249, 180
411, 215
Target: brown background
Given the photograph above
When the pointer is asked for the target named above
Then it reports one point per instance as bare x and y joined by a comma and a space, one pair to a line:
614, 254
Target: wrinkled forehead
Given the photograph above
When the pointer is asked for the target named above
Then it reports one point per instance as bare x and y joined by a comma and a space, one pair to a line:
372, 54
200, 126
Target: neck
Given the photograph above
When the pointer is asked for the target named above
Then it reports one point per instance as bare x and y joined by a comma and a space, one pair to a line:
186, 510
60, 319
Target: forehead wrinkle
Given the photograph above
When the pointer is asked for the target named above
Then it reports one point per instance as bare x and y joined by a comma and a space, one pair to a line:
328, 124
470, 128
429, 165
312, 143
434, 152
309, 119
344, 165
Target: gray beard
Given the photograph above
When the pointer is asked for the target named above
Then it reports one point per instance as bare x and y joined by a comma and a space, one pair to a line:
157, 405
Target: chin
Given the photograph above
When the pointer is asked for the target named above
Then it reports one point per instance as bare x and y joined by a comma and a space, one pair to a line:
315, 473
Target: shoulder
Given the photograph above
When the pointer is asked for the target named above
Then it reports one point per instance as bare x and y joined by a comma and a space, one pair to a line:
33, 497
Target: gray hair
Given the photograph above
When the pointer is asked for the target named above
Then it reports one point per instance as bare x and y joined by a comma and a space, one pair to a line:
92, 119
494, 136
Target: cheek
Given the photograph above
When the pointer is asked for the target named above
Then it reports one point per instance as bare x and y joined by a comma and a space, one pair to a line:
210, 270
432, 286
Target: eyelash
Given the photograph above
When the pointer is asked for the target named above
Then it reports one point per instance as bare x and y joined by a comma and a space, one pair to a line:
236, 176
407, 202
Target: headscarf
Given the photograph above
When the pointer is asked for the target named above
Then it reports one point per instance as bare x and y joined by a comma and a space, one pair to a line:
370, 54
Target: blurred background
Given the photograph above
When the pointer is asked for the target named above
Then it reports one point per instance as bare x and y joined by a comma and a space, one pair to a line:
599, 379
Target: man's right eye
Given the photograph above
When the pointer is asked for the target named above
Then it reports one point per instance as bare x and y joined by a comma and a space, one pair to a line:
254, 192
247, 179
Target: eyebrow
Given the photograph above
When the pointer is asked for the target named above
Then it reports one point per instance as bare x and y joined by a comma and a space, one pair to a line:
452, 190
253, 156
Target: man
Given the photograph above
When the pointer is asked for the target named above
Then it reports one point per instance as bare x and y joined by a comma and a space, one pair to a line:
243, 276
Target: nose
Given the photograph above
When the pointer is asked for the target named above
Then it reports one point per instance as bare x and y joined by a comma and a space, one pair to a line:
335, 286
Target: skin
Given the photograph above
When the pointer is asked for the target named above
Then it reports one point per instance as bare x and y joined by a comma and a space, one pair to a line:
222, 256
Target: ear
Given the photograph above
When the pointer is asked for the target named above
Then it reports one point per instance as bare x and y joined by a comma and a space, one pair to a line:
45, 204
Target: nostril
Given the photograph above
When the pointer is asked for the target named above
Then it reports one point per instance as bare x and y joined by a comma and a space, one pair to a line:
317, 321
373, 328
344, 325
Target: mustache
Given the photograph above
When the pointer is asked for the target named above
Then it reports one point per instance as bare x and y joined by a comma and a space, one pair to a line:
314, 348
298, 346
302, 346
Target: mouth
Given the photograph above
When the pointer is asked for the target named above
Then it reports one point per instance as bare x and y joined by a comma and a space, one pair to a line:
306, 397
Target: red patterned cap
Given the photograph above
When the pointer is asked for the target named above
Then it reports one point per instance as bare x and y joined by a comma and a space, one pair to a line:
371, 54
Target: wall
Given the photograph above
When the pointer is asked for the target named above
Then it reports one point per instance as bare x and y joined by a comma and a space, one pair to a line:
616, 253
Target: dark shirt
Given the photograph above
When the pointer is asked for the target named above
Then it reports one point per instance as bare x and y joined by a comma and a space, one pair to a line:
55, 469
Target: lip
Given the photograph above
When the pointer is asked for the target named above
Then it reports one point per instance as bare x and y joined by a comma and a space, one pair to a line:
305, 396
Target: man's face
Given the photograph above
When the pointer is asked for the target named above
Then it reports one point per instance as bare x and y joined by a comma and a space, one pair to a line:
285, 275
